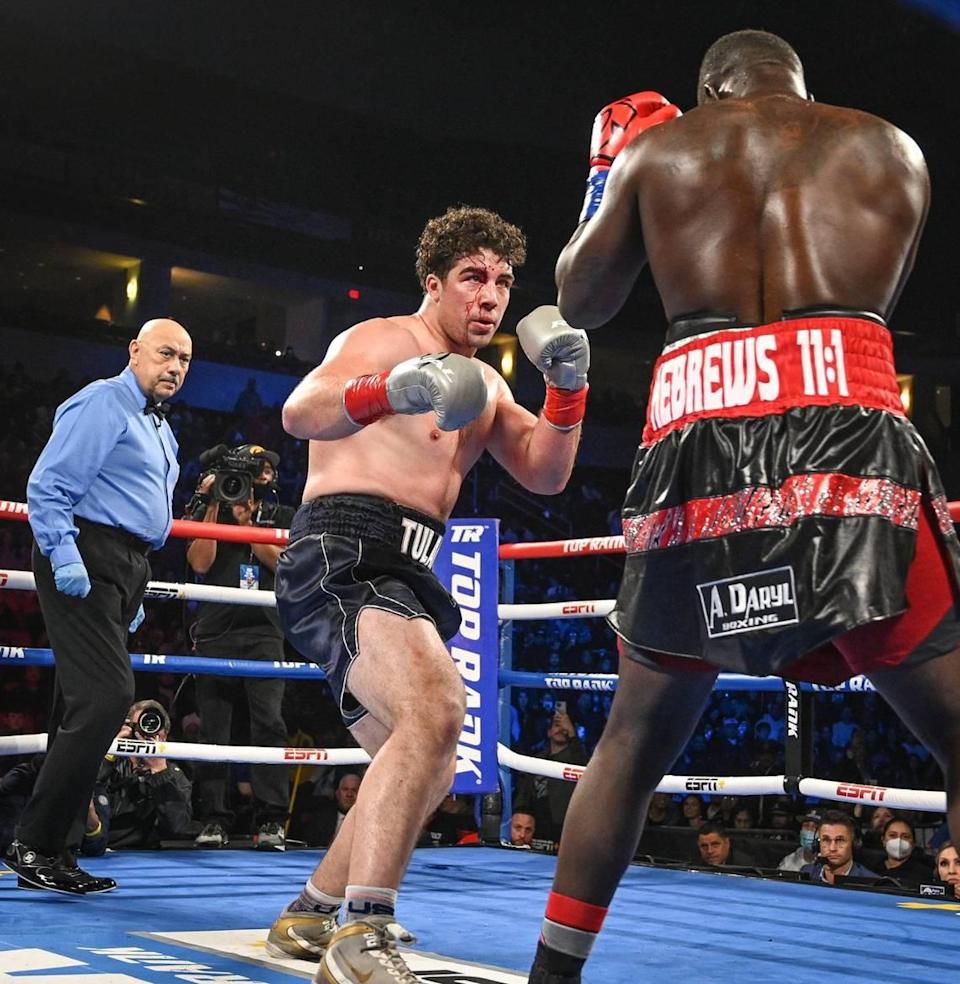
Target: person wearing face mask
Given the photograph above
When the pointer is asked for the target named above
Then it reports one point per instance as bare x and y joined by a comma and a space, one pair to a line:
904, 860
806, 853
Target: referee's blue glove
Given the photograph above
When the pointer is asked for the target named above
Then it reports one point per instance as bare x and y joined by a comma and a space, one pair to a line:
138, 619
73, 580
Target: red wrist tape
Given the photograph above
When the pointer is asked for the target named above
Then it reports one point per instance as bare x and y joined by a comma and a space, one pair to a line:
365, 398
564, 409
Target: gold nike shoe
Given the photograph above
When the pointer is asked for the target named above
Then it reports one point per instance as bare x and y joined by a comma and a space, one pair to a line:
366, 953
303, 935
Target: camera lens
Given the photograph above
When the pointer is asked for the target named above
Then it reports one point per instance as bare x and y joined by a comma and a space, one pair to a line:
150, 723
232, 486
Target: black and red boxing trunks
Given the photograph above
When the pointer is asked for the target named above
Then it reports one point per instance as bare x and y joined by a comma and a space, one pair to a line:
784, 517
348, 553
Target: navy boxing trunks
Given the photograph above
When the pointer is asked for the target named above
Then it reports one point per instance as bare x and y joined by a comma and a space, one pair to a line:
347, 553
780, 499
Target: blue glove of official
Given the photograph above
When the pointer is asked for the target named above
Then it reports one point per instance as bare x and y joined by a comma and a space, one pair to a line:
138, 619
73, 580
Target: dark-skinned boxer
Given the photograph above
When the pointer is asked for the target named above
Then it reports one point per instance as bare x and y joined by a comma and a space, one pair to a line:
783, 514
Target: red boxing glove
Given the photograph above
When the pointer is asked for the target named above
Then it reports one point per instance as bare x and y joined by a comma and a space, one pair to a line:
614, 127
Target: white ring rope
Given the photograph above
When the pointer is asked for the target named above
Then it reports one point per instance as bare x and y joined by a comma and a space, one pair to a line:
929, 800
171, 591
911, 799
185, 751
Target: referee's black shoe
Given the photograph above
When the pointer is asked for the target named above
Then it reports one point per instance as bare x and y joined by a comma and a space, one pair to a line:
40, 871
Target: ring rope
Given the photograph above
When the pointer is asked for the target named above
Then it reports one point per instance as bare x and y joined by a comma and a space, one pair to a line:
929, 800
607, 682
913, 799
295, 669
171, 591
575, 547
161, 663
187, 751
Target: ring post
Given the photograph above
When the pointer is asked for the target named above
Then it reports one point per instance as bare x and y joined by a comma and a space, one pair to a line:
467, 567
507, 581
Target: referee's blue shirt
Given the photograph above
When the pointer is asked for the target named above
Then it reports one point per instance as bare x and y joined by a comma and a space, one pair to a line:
107, 462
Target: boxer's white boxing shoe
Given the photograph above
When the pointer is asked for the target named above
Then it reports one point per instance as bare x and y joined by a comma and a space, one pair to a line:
366, 953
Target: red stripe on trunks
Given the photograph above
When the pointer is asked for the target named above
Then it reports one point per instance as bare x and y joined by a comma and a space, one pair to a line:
762, 507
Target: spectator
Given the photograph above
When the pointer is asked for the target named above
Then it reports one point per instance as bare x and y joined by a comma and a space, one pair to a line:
873, 835
903, 860
744, 819
318, 819
249, 403
806, 853
662, 811
780, 815
523, 827
947, 867
716, 849
836, 835
843, 730
692, 811
452, 823
773, 718
722, 810
547, 799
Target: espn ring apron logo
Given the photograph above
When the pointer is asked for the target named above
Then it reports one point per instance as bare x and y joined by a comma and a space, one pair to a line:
749, 602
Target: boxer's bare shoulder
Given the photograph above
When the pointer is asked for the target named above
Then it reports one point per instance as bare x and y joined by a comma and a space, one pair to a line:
375, 340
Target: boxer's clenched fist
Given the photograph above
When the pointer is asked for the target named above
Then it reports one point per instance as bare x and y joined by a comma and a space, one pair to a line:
449, 384
614, 127
560, 352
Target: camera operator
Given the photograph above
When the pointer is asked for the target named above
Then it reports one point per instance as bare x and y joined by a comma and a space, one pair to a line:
236, 488
139, 801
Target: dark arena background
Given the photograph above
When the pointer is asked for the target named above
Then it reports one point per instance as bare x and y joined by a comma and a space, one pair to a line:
260, 172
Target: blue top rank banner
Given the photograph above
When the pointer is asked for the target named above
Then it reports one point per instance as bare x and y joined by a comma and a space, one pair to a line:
467, 566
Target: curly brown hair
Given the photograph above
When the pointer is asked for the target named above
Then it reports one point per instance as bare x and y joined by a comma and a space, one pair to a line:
460, 232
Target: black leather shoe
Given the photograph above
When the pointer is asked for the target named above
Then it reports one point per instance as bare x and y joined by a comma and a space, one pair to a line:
90, 884
38, 871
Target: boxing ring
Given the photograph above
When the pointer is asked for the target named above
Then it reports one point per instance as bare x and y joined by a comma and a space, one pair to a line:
202, 916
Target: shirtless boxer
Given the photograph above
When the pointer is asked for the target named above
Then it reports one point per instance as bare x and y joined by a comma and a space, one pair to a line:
783, 515
397, 414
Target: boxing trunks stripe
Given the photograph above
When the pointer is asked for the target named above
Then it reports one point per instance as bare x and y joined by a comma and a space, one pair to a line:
348, 553
775, 506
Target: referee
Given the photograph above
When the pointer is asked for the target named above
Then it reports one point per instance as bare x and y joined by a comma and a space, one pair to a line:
99, 499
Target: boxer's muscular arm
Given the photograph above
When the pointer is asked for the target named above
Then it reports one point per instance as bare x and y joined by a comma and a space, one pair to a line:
538, 456
599, 265
314, 410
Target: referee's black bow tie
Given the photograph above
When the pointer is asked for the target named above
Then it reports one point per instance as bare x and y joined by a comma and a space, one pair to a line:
160, 409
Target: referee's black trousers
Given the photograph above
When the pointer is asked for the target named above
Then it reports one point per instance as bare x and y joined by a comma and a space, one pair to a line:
94, 685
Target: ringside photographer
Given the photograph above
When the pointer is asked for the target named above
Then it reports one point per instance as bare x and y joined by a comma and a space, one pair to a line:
238, 486
137, 802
